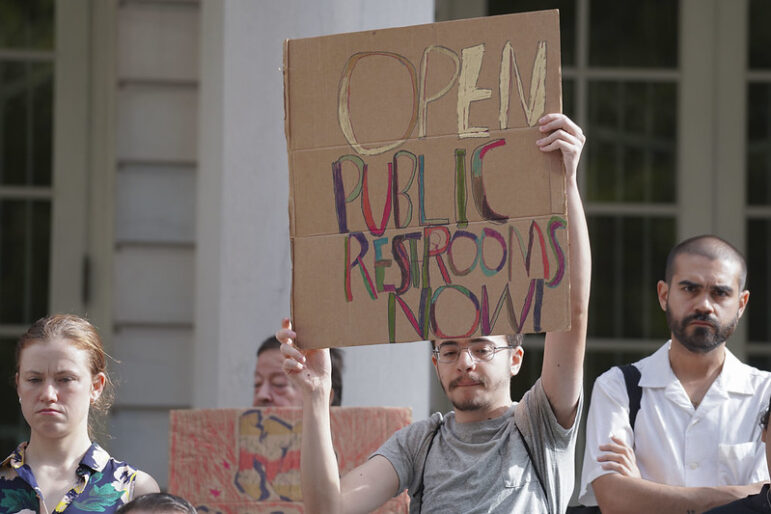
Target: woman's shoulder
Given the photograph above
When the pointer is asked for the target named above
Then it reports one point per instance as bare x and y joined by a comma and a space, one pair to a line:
121, 474
145, 484
99, 460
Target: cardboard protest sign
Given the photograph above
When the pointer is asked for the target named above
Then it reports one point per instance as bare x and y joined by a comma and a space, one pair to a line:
420, 206
234, 461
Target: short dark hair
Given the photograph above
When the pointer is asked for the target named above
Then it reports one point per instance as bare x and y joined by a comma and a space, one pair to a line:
711, 247
511, 340
335, 354
158, 502
764, 417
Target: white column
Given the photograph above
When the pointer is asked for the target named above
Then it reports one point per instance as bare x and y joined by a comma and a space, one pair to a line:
712, 126
696, 117
729, 197
243, 264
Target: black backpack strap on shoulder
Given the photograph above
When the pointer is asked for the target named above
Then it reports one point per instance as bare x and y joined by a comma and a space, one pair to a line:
417, 498
633, 390
532, 461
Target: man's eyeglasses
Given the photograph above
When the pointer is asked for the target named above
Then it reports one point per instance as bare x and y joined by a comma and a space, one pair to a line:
447, 353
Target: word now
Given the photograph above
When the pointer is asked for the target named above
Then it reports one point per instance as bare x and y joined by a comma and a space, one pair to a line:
438, 244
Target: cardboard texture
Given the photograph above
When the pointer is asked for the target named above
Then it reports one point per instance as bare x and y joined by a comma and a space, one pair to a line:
420, 206
234, 461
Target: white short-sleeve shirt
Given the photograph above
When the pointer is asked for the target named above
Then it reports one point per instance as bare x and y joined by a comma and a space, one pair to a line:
717, 443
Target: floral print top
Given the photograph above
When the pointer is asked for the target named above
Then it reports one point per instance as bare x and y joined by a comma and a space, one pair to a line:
104, 485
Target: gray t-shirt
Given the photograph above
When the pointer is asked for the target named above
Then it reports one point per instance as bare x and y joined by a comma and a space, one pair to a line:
483, 466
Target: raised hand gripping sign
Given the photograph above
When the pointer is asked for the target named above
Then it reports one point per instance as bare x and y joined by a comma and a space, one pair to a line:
420, 206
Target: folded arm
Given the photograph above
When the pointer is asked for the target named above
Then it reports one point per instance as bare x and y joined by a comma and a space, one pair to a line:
617, 494
618, 486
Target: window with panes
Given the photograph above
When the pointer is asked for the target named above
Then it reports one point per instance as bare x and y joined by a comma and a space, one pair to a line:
620, 83
26, 128
758, 181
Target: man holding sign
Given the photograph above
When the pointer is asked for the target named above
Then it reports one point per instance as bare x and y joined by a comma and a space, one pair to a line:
489, 454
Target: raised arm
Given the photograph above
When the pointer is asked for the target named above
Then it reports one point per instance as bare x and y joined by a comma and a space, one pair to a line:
563, 357
365, 487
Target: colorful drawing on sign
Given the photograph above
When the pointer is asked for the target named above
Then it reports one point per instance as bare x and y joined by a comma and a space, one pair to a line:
420, 205
268, 457
233, 461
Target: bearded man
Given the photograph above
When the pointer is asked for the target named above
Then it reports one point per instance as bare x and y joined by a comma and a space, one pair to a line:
695, 442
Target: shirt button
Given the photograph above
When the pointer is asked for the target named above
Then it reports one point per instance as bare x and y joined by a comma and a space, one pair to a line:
693, 465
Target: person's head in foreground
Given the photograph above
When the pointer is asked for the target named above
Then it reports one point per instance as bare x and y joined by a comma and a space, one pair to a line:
158, 503
272, 388
475, 373
703, 292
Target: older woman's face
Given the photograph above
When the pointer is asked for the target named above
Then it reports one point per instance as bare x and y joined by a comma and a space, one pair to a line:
56, 387
272, 387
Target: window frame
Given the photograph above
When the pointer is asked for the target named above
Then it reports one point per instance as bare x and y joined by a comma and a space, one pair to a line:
71, 184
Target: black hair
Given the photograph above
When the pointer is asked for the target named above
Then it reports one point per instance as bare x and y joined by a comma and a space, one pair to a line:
711, 247
764, 417
335, 354
158, 502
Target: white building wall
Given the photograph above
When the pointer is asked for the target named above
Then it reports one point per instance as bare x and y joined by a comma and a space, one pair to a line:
153, 257
243, 266
200, 260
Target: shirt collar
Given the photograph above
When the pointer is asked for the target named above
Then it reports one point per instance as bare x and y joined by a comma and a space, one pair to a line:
95, 458
733, 378
16, 459
656, 370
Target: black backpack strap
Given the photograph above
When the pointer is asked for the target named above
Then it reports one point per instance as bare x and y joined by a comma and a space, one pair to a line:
633, 390
532, 461
416, 502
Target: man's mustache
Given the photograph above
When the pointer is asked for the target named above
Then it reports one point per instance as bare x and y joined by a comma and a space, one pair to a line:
466, 378
700, 316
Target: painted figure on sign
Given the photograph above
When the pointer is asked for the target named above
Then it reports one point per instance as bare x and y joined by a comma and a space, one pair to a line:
268, 459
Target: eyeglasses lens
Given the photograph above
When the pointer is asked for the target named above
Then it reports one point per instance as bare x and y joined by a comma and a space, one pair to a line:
480, 351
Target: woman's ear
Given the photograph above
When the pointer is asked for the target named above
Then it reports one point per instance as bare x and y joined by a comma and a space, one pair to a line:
97, 386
